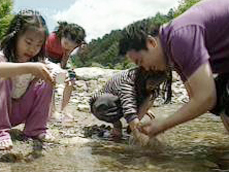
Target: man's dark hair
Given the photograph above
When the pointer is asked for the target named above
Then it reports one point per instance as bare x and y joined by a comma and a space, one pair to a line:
134, 36
71, 31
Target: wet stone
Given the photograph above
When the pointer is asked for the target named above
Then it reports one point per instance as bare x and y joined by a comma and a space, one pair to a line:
12, 157
96, 130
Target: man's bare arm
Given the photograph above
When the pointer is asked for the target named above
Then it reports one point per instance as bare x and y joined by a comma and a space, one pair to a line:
202, 92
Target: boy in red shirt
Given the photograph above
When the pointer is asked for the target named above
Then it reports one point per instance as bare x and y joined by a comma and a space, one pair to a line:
59, 46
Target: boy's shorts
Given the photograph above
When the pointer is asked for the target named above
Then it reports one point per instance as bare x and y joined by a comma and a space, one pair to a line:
107, 108
222, 88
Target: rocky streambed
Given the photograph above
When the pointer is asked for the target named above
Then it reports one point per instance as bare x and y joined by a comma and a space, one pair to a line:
82, 142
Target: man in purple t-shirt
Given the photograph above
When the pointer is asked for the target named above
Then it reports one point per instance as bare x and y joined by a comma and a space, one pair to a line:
196, 45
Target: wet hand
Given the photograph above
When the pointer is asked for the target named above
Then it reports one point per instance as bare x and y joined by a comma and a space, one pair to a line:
134, 124
141, 138
151, 128
40, 71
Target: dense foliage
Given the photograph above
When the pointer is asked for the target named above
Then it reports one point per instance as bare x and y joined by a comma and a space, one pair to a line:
5, 15
103, 52
184, 5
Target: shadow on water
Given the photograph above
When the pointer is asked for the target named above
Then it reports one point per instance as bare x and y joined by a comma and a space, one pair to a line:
200, 145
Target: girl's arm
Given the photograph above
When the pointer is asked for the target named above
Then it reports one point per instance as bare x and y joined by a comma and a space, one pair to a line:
8, 70
144, 107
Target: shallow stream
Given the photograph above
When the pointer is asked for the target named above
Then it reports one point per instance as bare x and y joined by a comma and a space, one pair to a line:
201, 145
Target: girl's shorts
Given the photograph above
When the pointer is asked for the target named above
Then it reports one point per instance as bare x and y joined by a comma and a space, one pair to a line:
107, 108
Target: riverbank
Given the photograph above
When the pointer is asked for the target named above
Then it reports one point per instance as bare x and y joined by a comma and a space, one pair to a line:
81, 142
199, 145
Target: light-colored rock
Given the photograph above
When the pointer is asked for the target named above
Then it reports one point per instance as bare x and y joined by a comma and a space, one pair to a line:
60, 89
92, 85
93, 73
83, 107
91, 79
81, 86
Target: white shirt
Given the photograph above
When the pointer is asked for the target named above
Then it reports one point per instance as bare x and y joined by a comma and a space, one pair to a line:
20, 84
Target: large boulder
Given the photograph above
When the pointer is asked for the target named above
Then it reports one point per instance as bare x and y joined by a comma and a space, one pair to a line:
93, 73
91, 79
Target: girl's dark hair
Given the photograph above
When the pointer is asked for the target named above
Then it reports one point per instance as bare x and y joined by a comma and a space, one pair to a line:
71, 31
161, 80
21, 22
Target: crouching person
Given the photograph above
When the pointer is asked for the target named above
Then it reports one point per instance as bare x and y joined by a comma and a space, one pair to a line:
129, 94
22, 98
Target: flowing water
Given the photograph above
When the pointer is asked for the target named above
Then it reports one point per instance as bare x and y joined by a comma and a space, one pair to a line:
201, 145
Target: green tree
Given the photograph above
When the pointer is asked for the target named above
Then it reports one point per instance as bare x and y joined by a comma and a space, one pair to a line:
184, 5
104, 51
5, 15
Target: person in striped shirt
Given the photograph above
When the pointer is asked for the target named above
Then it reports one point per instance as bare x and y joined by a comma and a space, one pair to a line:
129, 94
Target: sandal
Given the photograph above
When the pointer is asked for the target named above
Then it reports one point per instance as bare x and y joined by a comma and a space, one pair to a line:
46, 137
5, 141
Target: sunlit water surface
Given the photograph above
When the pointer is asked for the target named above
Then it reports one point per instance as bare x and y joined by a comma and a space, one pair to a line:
201, 145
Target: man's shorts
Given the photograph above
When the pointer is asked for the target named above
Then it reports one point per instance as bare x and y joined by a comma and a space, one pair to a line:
107, 108
222, 88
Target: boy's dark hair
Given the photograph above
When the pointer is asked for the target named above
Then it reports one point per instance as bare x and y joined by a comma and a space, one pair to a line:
71, 31
157, 78
134, 36
24, 20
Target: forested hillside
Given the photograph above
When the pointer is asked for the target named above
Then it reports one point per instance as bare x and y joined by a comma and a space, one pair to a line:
103, 52
5, 15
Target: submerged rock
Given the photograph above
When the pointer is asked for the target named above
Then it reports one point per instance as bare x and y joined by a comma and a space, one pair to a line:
12, 157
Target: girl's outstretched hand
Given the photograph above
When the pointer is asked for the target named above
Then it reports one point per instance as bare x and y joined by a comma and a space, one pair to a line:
151, 128
141, 138
40, 71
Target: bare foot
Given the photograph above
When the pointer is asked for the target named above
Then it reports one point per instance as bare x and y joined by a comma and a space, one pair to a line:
116, 134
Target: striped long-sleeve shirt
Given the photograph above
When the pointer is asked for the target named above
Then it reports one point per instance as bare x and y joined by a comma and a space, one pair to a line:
123, 85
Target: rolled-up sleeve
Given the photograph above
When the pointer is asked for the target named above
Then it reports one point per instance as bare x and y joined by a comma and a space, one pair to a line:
127, 96
188, 49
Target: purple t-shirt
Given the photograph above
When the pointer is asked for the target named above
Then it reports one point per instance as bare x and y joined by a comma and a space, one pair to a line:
198, 36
